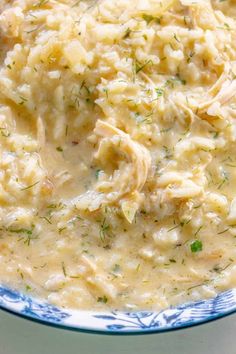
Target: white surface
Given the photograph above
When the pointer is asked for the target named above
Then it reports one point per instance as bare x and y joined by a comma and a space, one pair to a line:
19, 336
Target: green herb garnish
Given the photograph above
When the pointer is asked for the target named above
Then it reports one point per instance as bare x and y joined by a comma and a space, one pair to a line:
150, 18
31, 186
127, 33
116, 268
176, 38
104, 228
102, 299
159, 92
28, 288
97, 173
139, 67
196, 246
63, 268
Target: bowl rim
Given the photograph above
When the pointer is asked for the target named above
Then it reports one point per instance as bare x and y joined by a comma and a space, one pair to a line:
88, 330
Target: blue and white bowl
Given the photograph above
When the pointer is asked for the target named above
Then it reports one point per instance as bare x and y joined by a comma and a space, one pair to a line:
115, 322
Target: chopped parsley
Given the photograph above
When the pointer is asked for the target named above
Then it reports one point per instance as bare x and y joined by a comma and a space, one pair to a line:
196, 246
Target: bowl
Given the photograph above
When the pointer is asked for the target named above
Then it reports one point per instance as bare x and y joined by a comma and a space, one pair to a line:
118, 322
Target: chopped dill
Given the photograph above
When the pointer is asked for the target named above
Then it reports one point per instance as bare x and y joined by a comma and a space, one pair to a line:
104, 228
139, 67
63, 268
29, 187
102, 299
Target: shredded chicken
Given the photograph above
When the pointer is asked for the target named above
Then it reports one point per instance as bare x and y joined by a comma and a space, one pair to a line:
118, 154
125, 183
139, 159
222, 91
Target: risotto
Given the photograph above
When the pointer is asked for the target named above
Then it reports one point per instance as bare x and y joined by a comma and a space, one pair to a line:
118, 151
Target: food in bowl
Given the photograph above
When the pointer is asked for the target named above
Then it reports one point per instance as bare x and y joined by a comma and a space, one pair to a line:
118, 156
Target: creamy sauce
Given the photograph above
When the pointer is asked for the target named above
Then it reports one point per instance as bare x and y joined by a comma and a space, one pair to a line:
117, 151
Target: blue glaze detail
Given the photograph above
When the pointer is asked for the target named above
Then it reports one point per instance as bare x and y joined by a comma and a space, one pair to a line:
116, 321
30, 306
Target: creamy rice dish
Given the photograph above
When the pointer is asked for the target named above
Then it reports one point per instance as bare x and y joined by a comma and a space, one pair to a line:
118, 151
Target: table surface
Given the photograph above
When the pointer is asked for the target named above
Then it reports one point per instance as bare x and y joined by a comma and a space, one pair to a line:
19, 336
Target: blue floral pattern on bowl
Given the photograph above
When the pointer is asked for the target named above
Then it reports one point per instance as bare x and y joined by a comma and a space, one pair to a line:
116, 321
